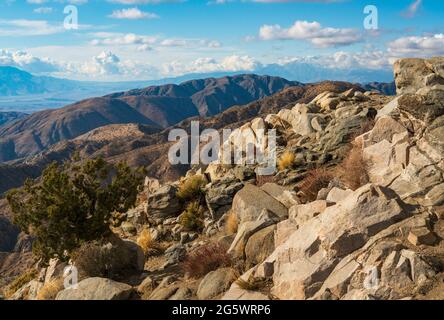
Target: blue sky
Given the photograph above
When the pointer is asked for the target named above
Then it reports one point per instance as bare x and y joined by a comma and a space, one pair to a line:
150, 39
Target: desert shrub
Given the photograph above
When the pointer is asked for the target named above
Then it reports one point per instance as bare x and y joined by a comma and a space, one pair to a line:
72, 204
352, 171
107, 259
20, 281
286, 160
145, 241
231, 224
314, 181
191, 188
192, 218
49, 290
253, 284
205, 259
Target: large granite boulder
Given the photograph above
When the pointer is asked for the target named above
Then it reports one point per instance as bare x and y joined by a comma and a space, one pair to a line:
164, 203
249, 202
97, 289
308, 256
215, 283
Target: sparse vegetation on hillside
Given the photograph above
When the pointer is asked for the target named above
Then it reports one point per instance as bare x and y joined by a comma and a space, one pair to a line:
73, 204
205, 259
145, 240
192, 218
314, 181
353, 169
105, 258
252, 283
286, 161
49, 290
20, 281
191, 188
232, 223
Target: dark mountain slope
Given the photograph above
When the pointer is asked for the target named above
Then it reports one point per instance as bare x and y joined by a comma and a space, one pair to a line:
160, 106
6, 117
42, 129
211, 96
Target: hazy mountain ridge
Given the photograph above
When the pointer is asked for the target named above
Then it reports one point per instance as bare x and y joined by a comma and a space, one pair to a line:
157, 106
6, 117
50, 92
142, 145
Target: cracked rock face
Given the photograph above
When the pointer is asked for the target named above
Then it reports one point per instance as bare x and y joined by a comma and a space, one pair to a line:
379, 241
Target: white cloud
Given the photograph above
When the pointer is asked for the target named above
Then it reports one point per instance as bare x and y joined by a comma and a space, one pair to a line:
129, 2
312, 32
27, 62
105, 38
132, 14
417, 46
122, 39
24, 27
375, 59
43, 10
36, 1
203, 65
412, 10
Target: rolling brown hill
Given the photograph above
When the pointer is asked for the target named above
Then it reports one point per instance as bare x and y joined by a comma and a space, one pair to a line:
158, 106
205, 97
43, 129
143, 145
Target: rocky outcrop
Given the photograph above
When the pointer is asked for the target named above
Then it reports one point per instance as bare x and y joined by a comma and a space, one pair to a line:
249, 203
215, 283
97, 289
163, 203
381, 240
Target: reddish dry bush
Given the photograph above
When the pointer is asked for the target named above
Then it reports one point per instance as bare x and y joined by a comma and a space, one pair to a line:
352, 171
205, 259
314, 181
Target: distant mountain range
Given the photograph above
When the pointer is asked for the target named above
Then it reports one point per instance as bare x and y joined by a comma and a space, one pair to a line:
22, 91
155, 106
137, 144
6, 117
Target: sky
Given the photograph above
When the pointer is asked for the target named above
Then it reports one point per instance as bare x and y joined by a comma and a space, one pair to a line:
120, 40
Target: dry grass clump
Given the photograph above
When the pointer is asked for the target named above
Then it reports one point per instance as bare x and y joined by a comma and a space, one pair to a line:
205, 259
192, 219
142, 197
100, 259
253, 284
191, 188
49, 290
232, 223
286, 160
352, 171
145, 241
314, 181
20, 281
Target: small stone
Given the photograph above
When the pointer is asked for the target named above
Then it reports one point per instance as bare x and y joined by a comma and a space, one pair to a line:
184, 237
146, 285
421, 236
129, 228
